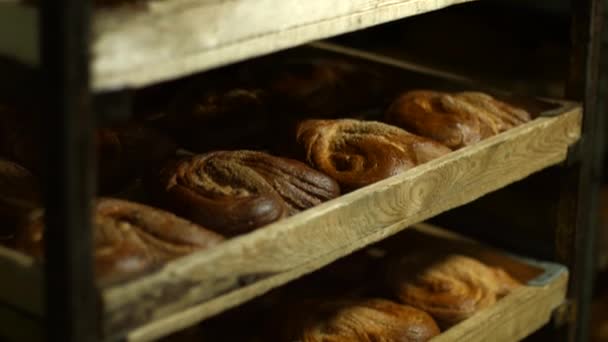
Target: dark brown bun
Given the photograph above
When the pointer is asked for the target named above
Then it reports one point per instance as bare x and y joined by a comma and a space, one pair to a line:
234, 192
129, 238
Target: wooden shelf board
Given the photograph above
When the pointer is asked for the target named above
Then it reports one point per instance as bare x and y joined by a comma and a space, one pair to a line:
134, 46
203, 284
514, 317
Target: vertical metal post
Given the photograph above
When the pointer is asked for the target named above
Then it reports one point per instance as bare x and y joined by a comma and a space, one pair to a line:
71, 304
577, 210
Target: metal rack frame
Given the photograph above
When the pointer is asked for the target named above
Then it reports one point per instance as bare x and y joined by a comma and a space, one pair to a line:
71, 303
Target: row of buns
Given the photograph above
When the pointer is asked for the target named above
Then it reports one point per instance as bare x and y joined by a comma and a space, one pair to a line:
412, 297
222, 193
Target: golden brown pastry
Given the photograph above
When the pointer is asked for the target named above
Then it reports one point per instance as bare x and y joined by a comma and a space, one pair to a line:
361, 320
358, 153
454, 119
19, 195
203, 119
451, 288
128, 237
237, 191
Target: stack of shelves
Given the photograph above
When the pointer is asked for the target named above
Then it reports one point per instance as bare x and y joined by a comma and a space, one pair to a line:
137, 45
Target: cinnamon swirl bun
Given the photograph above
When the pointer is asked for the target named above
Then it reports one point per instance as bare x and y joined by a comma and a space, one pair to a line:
128, 237
451, 288
358, 153
364, 320
237, 191
456, 120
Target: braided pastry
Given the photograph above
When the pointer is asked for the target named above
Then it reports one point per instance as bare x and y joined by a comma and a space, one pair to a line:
128, 237
450, 288
237, 191
358, 153
19, 195
363, 320
456, 120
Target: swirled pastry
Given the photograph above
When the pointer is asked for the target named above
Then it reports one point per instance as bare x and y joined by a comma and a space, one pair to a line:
358, 153
19, 195
457, 119
237, 191
128, 237
451, 288
363, 320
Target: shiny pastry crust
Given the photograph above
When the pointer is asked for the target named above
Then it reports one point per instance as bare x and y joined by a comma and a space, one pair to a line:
457, 119
237, 191
450, 288
363, 320
358, 153
128, 237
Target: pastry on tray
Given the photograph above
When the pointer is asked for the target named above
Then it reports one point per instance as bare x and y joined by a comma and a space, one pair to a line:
357, 153
128, 238
234, 192
362, 320
454, 119
451, 287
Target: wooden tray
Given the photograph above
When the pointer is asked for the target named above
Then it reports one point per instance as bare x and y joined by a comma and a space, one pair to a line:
137, 45
203, 284
515, 316
360, 275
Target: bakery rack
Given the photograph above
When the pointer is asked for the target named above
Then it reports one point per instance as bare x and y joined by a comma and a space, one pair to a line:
92, 59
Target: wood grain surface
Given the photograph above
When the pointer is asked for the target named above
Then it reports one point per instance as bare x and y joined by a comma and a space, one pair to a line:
212, 281
172, 38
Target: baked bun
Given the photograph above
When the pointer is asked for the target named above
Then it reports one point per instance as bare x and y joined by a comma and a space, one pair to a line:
19, 195
128, 238
234, 192
451, 288
358, 153
362, 320
454, 119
